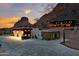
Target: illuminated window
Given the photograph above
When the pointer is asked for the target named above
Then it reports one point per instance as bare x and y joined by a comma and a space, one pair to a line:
25, 35
25, 30
61, 22
57, 35
70, 21
20, 33
66, 22
56, 22
28, 34
28, 30
53, 35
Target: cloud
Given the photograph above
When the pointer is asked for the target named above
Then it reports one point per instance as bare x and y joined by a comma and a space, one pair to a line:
27, 11
5, 5
8, 22
32, 20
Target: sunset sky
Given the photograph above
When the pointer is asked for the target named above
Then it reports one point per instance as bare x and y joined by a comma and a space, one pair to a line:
11, 12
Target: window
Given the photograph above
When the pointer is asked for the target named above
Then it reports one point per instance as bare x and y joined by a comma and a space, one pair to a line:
29, 35
25, 35
70, 22
25, 30
28, 30
61, 22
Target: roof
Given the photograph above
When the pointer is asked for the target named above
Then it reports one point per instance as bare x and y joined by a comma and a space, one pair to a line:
22, 28
50, 30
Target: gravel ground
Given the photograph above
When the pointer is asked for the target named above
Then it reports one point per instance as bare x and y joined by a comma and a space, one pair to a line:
34, 47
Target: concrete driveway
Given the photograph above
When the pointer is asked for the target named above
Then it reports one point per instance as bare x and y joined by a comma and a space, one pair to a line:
34, 47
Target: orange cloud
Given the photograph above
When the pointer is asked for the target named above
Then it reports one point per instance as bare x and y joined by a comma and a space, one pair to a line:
8, 22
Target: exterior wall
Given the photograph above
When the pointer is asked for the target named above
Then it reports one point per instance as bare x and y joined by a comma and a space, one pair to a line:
22, 33
18, 33
51, 35
73, 38
36, 33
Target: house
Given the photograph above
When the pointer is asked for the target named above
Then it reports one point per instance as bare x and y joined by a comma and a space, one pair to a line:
22, 32
62, 23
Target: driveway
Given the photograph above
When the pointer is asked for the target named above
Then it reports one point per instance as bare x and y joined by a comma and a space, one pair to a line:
35, 47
